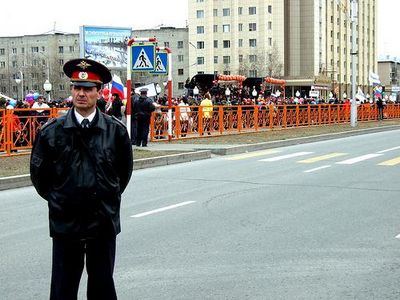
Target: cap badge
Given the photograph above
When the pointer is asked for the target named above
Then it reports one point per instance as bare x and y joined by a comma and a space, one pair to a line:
83, 75
83, 65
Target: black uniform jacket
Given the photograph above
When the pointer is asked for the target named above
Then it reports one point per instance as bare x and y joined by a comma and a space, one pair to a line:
82, 174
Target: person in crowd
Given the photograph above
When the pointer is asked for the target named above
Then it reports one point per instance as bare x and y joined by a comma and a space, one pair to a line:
207, 108
380, 106
39, 105
81, 163
116, 107
142, 109
184, 112
101, 104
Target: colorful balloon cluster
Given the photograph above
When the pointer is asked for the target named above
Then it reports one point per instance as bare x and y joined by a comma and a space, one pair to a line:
231, 77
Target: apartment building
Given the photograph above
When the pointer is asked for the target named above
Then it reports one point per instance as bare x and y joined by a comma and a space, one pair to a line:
35, 59
389, 74
306, 42
177, 40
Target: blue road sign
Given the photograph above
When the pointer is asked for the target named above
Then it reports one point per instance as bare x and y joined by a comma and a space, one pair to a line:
143, 56
161, 63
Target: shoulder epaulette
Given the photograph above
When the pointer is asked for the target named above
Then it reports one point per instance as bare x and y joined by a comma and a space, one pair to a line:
119, 121
49, 122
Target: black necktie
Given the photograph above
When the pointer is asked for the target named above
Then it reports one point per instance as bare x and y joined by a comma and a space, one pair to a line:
85, 123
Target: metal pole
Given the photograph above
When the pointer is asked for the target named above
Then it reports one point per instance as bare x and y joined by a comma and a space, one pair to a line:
353, 112
22, 85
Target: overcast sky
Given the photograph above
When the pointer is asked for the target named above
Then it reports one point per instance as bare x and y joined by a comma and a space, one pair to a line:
40, 16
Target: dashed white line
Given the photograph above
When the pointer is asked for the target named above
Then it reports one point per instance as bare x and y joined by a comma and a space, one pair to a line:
357, 159
161, 209
317, 169
388, 150
398, 236
276, 158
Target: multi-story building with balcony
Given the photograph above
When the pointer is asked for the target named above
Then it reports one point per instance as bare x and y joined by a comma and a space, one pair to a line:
35, 59
308, 42
389, 74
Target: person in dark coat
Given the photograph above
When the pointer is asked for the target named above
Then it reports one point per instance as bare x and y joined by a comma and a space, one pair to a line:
101, 104
81, 163
142, 109
116, 107
380, 105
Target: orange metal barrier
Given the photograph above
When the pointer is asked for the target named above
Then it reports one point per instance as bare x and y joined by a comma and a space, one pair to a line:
249, 118
18, 127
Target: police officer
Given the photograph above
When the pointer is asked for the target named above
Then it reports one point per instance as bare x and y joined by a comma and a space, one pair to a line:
81, 163
142, 109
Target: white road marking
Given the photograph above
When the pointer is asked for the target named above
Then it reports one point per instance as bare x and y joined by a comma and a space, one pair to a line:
387, 150
398, 236
317, 169
319, 158
276, 158
252, 154
391, 162
357, 159
161, 209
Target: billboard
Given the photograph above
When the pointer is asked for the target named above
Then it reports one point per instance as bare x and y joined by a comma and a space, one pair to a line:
107, 45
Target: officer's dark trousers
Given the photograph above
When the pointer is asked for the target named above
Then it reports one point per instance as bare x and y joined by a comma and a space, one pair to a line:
143, 126
68, 262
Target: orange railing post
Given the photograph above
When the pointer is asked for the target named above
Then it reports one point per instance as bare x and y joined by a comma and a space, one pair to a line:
221, 119
239, 112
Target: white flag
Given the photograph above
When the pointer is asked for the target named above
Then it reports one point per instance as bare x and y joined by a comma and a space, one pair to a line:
373, 78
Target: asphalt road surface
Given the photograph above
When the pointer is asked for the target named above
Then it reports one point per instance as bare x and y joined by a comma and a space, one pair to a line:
312, 221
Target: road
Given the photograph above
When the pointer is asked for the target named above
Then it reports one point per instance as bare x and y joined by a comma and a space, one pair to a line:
311, 221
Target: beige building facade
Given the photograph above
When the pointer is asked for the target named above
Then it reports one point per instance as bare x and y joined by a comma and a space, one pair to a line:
35, 59
308, 42
389, 75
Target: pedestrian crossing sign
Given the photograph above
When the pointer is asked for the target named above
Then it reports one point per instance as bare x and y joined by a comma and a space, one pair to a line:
161, 63
143, 56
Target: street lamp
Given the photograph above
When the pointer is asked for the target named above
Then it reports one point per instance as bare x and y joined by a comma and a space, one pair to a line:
47, 87
278, 93
297, 94
19, 80
227, 93
158, 90
330, 95
254, 93
344, 96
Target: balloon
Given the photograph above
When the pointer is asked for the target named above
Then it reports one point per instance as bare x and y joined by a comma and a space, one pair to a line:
35, 95
106, 91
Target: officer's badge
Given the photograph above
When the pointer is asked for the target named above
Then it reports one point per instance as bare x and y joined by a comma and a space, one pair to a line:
83, 65
83, 75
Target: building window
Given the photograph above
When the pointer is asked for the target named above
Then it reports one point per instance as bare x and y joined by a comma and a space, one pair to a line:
61, 62
226, 43
200, 14
61, 75
252, 43
181, 85
240, 43
215, 12
35, 62
240, 58
240, 27
226, 28
71, 49
180, 71
200, 29
2, 51
215, 28
61, 87
252, 10
14, 64
60, 49
252, 58
269, 41
200, 45
240, 11
226, 12
180, 57
14, 50
22, 50
252, 73
200, 60
215, 43
4, 90
180, 44
226, 59
35, 49
252, 26
269, 25
166, 44
215, 59
270, 9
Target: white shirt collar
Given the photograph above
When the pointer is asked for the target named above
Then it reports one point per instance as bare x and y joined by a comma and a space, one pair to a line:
80, 118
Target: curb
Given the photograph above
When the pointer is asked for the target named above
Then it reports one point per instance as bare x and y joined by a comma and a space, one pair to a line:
13, 182
296, 141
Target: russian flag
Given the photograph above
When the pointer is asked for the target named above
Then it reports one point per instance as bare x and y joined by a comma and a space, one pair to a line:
117, 87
